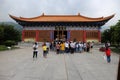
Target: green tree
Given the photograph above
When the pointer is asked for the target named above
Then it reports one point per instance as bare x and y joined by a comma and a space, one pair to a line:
117, 35
11, 34
1, 34
113, 34
106, 36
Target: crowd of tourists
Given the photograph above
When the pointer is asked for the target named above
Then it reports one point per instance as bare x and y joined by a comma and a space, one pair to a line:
61, 47
71, 46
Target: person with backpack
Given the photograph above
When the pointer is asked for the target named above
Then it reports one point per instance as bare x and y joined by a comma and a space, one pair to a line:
35, 49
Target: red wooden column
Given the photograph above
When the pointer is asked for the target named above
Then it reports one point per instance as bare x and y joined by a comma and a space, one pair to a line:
84, 35
99, 36
23, 35
37, 35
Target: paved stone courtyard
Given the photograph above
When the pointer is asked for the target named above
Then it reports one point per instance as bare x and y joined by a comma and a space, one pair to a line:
19, 65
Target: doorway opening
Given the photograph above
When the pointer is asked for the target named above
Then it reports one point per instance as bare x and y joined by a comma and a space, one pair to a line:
60, 35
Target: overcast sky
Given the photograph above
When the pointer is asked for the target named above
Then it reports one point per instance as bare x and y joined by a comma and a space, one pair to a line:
33, 8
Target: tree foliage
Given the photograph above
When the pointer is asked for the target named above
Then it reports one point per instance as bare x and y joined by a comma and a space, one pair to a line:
113, 34
1, 34
117, 32
8, 32
106, 36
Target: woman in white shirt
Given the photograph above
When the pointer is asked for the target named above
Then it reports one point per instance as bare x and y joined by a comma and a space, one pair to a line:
35, 49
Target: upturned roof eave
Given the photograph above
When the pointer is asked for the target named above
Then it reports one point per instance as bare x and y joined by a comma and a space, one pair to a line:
28, 20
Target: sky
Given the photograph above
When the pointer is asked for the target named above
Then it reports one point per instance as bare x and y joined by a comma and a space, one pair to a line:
33, 8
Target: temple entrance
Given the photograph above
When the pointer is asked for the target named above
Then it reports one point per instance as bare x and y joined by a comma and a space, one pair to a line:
60, 35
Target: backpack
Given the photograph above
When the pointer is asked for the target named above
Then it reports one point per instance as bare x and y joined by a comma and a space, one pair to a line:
34, 48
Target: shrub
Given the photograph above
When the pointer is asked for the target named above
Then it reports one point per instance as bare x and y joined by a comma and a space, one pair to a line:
2, 48
9, 43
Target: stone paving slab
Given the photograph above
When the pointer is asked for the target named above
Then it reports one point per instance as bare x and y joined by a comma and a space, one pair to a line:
19, 65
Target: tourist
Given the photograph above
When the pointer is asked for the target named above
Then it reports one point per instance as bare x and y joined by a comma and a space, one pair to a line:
80, 46
84, 46
72, 47
52, 46
48, 46
88, 47
77, 47
92, 44
57, 48
66, 46
44, 50
108, 54
35, 49
62, 47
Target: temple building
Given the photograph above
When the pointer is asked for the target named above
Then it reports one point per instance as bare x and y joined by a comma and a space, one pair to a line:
67, 27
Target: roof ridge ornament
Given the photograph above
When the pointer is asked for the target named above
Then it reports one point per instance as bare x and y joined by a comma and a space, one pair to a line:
78, 14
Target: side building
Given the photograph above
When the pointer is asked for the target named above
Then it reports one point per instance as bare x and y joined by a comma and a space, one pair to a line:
67, 27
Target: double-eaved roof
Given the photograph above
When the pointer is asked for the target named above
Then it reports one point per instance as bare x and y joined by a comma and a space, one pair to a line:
61, 18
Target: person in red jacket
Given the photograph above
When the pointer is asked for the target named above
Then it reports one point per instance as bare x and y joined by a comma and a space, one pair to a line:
108, 54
